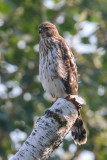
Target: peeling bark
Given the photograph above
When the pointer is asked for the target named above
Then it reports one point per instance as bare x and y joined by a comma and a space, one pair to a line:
49, 132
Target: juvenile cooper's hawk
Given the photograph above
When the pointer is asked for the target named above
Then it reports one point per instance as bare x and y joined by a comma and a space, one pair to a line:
58, 72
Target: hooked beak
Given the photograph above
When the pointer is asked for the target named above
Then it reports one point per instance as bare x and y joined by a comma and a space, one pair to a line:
40, 30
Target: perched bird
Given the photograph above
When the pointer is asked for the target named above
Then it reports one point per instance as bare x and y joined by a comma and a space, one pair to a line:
58, 73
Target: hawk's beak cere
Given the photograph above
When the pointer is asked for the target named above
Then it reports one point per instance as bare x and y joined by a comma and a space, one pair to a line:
40, 30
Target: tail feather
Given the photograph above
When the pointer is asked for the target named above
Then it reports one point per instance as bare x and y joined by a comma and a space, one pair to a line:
78, 132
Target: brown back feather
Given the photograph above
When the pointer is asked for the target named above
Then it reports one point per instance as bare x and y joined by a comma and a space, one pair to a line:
71, 81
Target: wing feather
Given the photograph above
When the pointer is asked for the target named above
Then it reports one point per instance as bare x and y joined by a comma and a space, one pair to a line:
67, 69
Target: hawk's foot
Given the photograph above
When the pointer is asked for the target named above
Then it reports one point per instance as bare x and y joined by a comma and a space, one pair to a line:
73, 100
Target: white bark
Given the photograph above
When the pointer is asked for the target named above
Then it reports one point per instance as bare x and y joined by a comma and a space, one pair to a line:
49, 132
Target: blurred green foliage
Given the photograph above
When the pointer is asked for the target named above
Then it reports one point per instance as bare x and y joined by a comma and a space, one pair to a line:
22, 97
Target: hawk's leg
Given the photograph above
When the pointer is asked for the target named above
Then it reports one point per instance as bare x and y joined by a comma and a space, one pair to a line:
73, 100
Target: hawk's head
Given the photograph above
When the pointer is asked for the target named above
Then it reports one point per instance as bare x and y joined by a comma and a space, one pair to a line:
47, 29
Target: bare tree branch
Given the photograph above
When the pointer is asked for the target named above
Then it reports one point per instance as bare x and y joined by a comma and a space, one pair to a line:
49, 132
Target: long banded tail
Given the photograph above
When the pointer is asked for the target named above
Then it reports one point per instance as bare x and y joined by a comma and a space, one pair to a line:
78, 132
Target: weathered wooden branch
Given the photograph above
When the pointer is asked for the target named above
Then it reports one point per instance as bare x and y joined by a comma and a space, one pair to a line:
49, 132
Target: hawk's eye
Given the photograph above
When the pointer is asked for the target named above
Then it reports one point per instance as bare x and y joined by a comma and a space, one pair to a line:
47, 28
